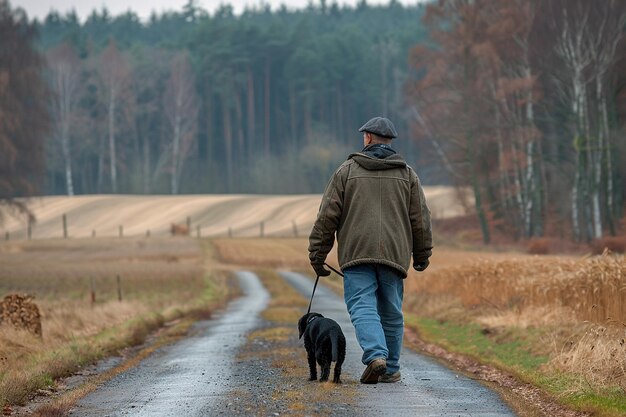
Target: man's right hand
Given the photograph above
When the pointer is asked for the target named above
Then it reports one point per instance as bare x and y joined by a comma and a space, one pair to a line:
319, 269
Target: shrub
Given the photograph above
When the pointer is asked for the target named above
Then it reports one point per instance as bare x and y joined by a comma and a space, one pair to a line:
539, 246
616, 244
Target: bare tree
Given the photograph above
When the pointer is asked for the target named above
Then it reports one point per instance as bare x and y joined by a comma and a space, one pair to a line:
181, 109
114, 72
64, 66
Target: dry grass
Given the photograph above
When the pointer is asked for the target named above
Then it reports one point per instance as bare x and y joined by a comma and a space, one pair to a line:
161, 280
263, 253
597, 358
592, 288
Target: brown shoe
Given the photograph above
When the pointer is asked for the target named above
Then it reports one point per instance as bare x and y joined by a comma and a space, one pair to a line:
374, 370
390, 378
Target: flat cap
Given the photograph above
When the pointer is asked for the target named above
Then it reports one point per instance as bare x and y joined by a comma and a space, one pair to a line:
380, 126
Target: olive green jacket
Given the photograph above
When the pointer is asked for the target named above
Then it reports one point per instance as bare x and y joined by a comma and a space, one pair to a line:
378, 211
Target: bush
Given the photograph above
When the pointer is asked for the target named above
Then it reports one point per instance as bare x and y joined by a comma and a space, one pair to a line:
616, 244
539, 246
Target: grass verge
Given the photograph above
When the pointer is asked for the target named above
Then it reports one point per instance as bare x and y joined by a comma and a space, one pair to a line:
524, 354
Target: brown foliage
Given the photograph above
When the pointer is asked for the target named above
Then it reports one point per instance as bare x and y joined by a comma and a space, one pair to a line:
179, 230
615, 244
21, 312
539, 246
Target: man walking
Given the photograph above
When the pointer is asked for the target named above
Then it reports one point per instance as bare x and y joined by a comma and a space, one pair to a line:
375, 204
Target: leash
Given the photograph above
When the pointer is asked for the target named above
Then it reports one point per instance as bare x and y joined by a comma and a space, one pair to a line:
317, 279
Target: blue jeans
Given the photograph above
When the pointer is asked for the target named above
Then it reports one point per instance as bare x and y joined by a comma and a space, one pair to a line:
373, 295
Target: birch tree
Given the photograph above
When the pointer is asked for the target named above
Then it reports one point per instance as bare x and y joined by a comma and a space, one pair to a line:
64, 68
114, 72
512, 83
181, 109
587, 43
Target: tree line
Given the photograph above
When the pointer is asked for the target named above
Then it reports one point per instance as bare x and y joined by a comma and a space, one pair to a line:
524, 101
189, 102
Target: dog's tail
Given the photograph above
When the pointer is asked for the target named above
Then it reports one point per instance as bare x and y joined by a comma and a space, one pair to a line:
334, 341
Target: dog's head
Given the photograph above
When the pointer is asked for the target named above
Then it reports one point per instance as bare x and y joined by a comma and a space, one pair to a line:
305, 320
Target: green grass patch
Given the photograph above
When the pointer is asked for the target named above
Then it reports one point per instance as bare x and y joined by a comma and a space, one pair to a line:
519, 351
505, 350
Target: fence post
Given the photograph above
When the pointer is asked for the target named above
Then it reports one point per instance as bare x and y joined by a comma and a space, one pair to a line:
121, 231
93, 291
295, 228
148, 233
119, 289
7, 236
64, 226
30, 229
262, 229
93, 233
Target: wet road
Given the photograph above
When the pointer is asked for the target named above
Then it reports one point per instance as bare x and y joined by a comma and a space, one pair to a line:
195, 375
427, 388
187, 378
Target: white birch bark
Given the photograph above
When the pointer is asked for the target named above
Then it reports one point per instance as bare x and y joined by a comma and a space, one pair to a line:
65, 72
181, 109
111, 135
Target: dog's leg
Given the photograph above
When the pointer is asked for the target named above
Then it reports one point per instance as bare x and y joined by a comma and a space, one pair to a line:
325, 371
337, 373
312, 365
341, 356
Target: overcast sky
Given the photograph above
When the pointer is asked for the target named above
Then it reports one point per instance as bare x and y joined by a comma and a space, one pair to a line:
40, 8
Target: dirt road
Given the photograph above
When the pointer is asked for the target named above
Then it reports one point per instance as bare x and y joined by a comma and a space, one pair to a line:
219, 371
188, 378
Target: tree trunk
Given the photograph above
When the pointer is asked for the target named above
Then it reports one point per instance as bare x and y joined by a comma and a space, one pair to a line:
175, 153
112, 154
307, 113
240, 138
266, 141
292, 115
608, 155
228, 140
251, 115
65, 143
146, 166
482, 217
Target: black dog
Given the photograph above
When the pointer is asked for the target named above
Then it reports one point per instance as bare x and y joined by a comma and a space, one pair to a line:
324, 341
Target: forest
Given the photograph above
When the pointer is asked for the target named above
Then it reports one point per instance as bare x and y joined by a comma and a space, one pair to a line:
520, 101
265, 102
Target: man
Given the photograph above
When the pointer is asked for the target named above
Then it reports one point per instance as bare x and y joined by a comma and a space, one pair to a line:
375, 204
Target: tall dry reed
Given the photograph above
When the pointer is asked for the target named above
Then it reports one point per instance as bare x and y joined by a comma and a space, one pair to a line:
592, 288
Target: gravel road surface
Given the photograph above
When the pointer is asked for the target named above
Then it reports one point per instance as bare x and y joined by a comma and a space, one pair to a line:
189, 377
214, 372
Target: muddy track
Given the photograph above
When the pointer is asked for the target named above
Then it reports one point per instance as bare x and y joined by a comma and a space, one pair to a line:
222, 370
